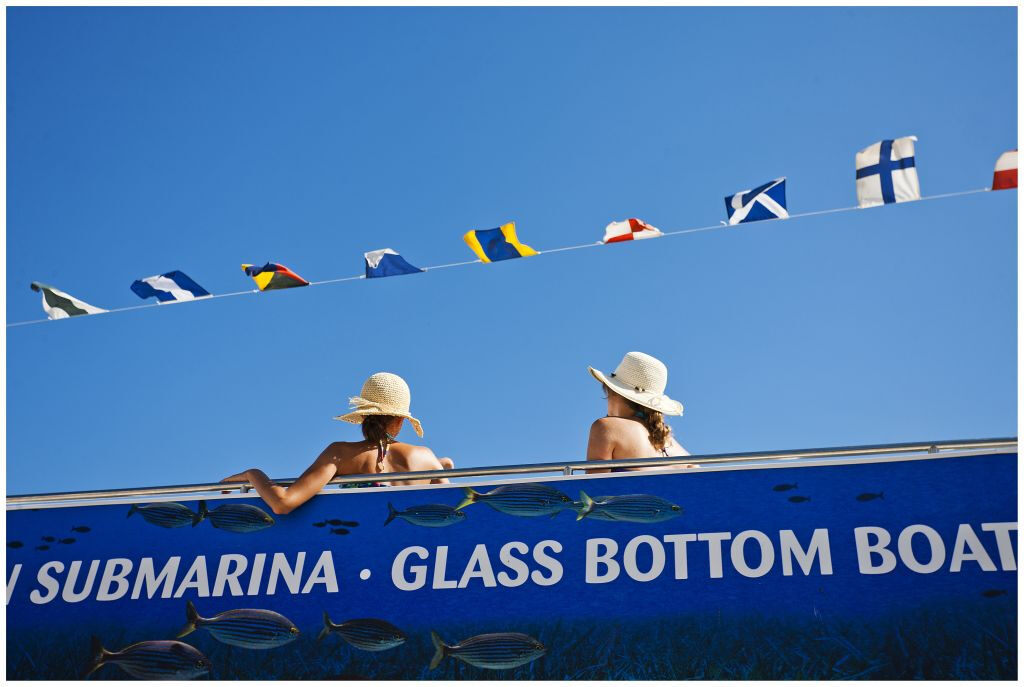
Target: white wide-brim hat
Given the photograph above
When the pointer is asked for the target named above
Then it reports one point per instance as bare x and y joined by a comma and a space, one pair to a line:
641, 378
383, 394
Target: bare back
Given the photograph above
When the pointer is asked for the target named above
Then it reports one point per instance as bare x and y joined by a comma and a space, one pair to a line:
620, 437
361, 458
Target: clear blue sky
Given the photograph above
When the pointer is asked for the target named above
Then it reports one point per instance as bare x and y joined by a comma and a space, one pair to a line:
145, 140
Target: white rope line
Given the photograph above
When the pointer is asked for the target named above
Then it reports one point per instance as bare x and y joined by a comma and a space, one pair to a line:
678, 232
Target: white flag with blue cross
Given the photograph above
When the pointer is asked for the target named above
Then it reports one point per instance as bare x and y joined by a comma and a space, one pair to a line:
887, 173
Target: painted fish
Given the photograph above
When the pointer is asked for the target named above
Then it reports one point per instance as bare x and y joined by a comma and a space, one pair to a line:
629, 508
580, 507
429, 515
523, 500
166, 514
159, 660
43, 547
339, 530
250, 628
14, 545
799, 499
368, 634
69, 540
993, 593
784, 487
81, 528
49, 540
236, 517
319, 524
870, 497
494, 651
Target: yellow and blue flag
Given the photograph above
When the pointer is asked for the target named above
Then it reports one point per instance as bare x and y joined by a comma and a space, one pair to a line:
492, 245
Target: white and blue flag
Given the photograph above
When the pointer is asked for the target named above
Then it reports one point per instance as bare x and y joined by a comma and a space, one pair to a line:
387, 263
767, 201
887, 173
170, 287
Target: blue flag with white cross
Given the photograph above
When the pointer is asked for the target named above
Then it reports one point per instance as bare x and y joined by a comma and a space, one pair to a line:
767, 201
887, 173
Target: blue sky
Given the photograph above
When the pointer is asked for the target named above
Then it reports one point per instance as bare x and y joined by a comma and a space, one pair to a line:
145, 140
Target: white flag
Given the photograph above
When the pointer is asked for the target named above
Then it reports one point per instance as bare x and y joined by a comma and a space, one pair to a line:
887, 173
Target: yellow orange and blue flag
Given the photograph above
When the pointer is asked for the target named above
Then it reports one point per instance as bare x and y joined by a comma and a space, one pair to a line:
273, 276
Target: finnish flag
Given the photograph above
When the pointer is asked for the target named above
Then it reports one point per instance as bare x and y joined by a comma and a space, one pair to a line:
767, 201
886, 173
171, 287
387, 263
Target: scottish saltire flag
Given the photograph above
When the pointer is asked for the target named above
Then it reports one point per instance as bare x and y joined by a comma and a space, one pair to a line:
273, 276
170, 287
767, 201
629, 230
886, 173
492, 245
1006, 171
59, 305
387, 263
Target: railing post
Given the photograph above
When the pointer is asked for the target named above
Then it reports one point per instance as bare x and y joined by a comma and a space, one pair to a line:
567, 471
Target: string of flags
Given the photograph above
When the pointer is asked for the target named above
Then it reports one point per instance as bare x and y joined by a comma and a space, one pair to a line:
886, 172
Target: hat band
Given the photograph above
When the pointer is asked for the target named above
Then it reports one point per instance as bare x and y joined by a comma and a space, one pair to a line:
362, 405
635, 387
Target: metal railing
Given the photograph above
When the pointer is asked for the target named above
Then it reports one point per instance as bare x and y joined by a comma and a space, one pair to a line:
565, 468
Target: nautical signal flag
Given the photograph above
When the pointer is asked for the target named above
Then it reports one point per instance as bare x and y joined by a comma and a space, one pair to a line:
492, 245
767, 201
631, 229
59, 305
171, 287
1006, 171
887, 173
273, 276
387, 263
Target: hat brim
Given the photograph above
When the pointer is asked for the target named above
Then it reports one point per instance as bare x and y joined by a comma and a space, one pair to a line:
659, 402
356, 417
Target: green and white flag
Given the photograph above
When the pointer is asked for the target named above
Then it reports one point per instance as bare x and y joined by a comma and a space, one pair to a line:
59, 305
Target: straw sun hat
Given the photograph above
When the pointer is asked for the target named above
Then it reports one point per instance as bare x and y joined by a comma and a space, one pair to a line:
641, 378
383, 394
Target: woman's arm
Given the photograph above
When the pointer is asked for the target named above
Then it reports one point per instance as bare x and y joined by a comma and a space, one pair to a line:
286, 499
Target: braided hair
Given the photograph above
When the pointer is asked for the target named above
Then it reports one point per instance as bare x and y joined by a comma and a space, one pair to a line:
375, 430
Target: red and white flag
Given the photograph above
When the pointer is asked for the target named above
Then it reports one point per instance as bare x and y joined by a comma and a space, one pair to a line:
1006, 171
629, 230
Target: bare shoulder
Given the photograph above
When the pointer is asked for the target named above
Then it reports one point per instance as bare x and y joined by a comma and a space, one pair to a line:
416, 457
602, 441
605, 426
339, 450
615, 426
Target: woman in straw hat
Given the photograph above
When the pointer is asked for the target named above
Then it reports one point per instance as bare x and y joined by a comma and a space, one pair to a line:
381, 408
635, 425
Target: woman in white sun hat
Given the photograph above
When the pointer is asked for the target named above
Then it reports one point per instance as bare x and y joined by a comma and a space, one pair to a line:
381, 408
635, 425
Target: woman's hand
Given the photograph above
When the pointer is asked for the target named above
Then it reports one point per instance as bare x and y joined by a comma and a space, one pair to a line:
240, 477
